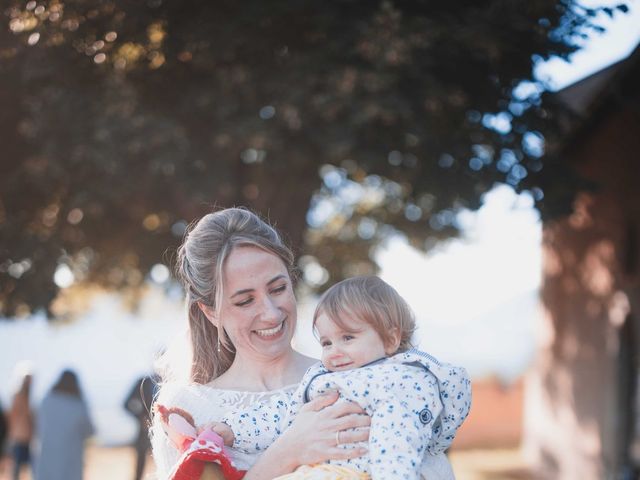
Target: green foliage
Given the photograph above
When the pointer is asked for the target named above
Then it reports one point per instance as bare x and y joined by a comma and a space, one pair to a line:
123, 120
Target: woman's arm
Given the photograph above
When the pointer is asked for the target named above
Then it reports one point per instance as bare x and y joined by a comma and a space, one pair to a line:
312, 438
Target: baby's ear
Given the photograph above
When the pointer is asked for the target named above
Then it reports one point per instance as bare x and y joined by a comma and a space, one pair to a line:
392, 342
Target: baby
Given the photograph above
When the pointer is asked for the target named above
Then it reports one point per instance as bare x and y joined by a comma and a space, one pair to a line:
416, 403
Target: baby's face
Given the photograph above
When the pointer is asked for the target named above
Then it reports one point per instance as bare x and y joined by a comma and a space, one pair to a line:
344, 349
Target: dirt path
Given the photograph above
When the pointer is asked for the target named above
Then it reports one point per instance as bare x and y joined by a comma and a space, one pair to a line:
101, 463
116, 463
494, 464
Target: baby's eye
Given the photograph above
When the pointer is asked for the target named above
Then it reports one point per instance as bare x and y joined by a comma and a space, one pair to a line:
346, 338
325, 343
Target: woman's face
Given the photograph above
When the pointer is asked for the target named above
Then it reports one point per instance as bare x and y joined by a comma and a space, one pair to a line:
258, 308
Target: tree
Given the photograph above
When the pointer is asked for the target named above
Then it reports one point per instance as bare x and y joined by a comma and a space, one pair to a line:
122, 121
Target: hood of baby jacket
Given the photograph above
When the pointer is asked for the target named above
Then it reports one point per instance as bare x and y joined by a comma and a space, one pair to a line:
455, 394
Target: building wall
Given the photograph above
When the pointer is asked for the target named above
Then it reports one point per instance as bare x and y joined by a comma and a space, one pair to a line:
495, 420
589, 289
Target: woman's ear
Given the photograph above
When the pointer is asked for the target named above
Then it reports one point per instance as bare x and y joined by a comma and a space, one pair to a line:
393, 341
209, 312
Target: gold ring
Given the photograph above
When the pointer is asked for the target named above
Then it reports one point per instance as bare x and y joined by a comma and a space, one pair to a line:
337, 438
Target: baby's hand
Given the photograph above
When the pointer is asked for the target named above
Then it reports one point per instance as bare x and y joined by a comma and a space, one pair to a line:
221, 429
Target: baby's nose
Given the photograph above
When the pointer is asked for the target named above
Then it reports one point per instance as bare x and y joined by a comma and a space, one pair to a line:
335, 353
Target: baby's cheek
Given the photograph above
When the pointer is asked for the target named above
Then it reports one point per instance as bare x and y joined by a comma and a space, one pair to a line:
323, 359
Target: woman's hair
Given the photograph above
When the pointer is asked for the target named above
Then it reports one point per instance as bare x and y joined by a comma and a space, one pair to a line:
200, 262
373, 301
67, 383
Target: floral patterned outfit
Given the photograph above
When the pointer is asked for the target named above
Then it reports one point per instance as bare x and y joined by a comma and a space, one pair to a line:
415, 402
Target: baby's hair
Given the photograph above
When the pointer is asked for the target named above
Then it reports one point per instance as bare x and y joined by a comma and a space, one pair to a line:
372, 300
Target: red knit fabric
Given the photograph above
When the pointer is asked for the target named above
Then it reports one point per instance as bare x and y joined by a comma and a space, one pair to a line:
197, 451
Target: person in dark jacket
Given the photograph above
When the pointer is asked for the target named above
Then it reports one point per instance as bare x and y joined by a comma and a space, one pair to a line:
138, 404
3, 432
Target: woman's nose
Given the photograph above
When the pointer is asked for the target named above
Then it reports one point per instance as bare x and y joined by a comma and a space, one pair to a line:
270, 310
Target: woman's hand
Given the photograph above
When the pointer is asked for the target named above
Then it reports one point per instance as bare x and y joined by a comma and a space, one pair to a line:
313, 437
322, 427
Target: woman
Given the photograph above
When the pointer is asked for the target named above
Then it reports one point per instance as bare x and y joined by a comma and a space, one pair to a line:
63, 426
21, 427
237, 274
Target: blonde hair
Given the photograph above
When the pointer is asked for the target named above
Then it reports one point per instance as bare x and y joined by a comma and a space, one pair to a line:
200, 262
369, 299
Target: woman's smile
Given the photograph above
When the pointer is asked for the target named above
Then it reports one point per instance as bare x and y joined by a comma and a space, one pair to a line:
270, 332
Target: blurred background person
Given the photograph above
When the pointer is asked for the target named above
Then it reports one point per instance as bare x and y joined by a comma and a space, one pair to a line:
138, 404
62, 428
3, 437
20, 420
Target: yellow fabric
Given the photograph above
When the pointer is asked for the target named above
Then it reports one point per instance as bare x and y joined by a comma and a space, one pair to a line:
324, 472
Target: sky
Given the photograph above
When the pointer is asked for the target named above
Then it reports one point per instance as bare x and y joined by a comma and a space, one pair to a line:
475, 297
622, 35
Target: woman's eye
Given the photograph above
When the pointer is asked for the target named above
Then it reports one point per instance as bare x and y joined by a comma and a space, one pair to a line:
244, 302
279, 289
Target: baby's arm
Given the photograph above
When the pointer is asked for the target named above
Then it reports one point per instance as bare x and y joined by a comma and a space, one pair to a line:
405, 407
254, 429
257, 427
221, 429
